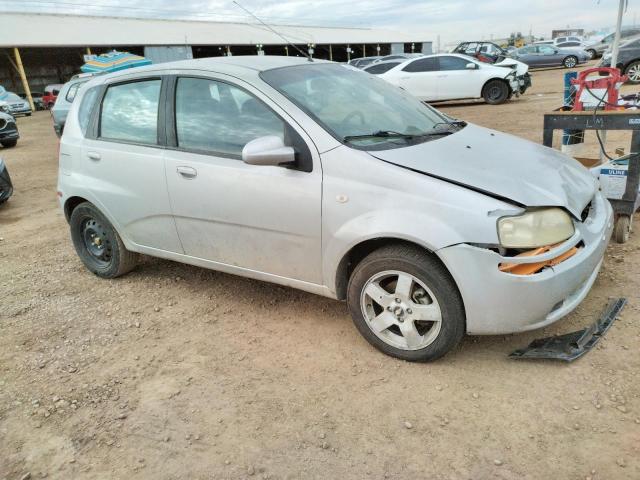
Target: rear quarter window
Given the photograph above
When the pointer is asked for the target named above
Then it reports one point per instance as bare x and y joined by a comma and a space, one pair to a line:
86, 107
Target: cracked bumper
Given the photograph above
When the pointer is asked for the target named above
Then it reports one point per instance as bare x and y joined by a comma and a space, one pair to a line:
498, 302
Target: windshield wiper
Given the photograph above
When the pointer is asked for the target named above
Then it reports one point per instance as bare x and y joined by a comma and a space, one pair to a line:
453, 123
383, 134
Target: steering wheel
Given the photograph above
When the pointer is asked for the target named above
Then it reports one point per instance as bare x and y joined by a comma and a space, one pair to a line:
356, 113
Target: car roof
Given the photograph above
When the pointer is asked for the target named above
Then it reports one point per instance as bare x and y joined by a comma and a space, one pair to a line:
234, 65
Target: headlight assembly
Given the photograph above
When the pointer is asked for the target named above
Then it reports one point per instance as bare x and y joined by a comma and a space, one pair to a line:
535, 228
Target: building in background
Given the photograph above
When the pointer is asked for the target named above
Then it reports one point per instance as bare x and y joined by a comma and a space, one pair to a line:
50, 48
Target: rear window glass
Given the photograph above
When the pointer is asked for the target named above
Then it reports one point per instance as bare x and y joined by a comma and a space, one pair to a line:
379, 68
73, 91
130, 112
429, 64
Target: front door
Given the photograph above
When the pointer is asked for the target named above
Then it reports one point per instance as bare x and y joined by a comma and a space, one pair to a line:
261, 218
456, 80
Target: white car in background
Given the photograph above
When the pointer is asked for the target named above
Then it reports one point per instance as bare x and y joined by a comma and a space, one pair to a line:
453, 76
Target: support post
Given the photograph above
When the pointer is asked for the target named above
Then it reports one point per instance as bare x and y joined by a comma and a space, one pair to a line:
330, 53
364, 50
23, 77
286, 50
89, 51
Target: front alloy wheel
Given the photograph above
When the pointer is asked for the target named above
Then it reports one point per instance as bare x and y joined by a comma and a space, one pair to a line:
400, 310
405, 303
570, 61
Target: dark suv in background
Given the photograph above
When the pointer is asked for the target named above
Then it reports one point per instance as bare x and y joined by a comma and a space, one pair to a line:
597, 49
628, 59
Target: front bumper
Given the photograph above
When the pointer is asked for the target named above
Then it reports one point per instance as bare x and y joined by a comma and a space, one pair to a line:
498, 302
20, 111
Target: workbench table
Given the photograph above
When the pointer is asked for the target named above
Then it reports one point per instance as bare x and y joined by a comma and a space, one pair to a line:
625, 207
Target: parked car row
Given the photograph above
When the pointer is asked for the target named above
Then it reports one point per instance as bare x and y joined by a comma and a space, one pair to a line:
455, 76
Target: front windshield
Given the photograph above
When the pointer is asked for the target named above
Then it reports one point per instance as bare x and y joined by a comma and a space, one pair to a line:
354, 106
12, 97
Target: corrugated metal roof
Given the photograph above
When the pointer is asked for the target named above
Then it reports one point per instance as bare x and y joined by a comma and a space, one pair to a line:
52, 30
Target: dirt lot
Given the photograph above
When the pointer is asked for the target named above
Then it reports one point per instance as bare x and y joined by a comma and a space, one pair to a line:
174, 372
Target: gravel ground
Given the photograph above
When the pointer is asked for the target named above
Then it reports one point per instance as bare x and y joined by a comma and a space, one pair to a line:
175, 372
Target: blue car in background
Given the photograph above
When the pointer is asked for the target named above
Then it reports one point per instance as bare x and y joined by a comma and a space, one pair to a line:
549, 56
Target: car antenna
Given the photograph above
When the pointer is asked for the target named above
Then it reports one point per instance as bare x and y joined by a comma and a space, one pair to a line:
277, 33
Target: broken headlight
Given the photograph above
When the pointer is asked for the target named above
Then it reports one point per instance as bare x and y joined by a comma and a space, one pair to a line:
535, 228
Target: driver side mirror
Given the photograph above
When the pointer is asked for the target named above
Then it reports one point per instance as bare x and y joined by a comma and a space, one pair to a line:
471, 66
268, 150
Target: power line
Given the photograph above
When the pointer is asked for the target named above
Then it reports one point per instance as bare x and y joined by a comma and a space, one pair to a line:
115, 10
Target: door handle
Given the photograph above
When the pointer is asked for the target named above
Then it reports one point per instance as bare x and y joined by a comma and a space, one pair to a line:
94, 156
187, 172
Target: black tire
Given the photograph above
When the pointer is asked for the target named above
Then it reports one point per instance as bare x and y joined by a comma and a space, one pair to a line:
28, 114
9, 143
570, 62
632, 71
496, 92
593, 53
414, 261
622, 229
110, 261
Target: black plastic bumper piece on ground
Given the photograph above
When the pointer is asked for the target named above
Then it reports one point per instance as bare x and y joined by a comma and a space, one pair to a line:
573, 345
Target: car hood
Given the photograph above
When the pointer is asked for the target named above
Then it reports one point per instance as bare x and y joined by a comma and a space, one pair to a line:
521, 67
500, 165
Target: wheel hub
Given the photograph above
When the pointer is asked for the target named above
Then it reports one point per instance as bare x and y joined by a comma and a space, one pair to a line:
401, 310
96, 240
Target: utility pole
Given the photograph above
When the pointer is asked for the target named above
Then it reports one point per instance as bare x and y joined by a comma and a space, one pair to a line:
616, 40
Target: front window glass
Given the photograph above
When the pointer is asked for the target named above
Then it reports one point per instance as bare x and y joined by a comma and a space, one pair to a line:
217, 117
546, 50
350, 103
130, 112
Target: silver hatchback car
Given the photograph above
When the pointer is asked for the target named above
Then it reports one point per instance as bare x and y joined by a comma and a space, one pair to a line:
324, 178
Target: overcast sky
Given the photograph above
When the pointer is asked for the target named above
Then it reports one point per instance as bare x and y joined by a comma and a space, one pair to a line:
452, 19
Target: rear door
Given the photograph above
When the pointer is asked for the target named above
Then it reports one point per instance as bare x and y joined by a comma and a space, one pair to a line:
258, 218
122, 161
456, 81
420, 78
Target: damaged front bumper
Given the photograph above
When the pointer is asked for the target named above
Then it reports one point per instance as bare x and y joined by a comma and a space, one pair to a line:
519, 84
498, 302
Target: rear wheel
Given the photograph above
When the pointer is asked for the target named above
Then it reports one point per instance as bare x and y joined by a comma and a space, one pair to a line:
98, 244
633, 72
622, 229
570, 61
496, 92
9, 143
405, 303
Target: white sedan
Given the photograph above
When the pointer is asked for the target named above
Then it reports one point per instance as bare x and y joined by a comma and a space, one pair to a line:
453, 76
